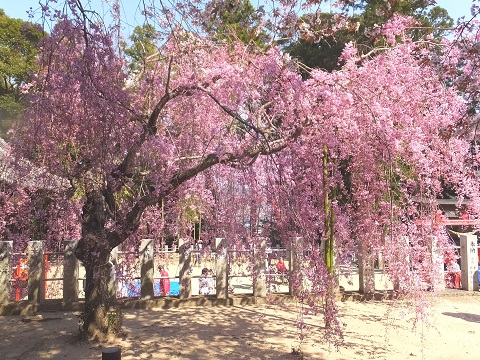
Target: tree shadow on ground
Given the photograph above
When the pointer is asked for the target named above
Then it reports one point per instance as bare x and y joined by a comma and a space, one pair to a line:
204, 332
464, 316
188, 333
210, 333
52, 335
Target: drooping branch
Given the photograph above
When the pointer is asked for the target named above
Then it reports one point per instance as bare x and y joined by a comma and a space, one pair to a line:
150, 127
231, 112
133, 218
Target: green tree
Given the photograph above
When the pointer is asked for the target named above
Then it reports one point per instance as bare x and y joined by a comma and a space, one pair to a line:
18, 51
324, 53
144, 43
432, 19
236, 19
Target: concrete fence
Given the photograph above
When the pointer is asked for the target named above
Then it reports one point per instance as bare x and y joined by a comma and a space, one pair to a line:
70, 279
260, 275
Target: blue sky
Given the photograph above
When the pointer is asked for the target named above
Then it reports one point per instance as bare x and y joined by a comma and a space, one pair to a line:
456, 8
19, 8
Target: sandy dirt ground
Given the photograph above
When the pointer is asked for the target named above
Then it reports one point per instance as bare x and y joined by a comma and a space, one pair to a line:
374, 330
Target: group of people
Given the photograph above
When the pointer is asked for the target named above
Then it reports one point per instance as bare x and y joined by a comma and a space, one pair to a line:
205, 282
276, 265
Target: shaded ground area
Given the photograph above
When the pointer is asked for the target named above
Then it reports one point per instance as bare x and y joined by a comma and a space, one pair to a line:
374, 330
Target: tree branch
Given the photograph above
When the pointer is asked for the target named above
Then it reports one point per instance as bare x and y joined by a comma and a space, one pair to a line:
231, 112
133, 218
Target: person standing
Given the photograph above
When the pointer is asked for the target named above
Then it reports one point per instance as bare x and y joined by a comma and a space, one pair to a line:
199, 248
164, 281
20, 275
282, 270
454, 275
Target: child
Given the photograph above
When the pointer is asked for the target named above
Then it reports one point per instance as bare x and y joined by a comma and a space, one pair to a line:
204, 283
211, 283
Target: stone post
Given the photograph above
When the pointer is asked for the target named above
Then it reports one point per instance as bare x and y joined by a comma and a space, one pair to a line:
185, 274
295, 256
221, 268
112, 276
469, 264
70, 272
6, 262
36, 250
146, 268
259, 282
366, 274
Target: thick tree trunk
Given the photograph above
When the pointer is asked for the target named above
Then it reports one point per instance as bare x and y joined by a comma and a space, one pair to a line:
100, 317
97, 299
93, 251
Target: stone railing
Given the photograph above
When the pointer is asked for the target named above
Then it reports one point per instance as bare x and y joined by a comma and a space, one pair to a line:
469, 267
70, 278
